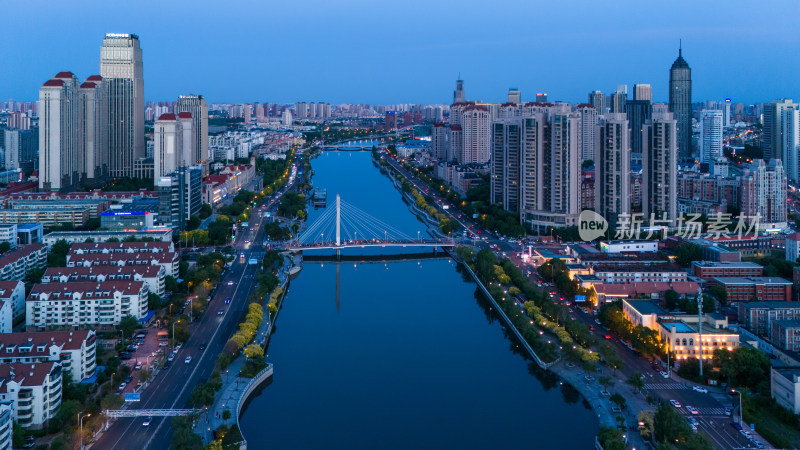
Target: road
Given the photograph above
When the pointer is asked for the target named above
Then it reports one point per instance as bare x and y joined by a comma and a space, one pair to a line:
171, 388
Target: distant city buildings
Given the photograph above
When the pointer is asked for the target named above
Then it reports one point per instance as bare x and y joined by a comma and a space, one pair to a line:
680, 104
710, 141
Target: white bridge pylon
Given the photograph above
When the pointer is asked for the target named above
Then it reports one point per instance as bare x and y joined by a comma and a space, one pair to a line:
347, 226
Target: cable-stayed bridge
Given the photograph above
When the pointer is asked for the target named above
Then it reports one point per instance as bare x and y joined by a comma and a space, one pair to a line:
345, 226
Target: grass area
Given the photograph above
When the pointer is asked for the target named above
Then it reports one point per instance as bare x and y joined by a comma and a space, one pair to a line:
776, 424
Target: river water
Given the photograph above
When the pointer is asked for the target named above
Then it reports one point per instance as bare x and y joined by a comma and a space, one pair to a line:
407, 355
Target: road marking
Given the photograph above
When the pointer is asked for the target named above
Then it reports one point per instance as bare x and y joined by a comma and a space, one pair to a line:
655, 386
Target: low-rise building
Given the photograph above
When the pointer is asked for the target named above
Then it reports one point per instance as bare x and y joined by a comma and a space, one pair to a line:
163, 234
138, 215
12, 292
628, 246
758, 316
84, 303
81, 248
785, 334
29, 233
34, 389
785, 388
708, 270
642, 312
682, 336
153, 276
168, 260
15, 265
48, 217
653, 290
762, 289
666, 273
75, 350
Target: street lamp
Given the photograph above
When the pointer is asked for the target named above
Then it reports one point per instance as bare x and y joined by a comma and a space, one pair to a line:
80, 427
741, 406
173, 334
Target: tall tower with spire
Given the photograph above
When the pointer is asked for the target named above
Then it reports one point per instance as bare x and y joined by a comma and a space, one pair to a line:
680, 103
458, 95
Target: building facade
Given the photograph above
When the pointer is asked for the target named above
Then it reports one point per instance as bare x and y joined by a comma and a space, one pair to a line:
680, 104
660, 167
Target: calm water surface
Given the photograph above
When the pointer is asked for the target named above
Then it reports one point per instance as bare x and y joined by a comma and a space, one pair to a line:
406, 356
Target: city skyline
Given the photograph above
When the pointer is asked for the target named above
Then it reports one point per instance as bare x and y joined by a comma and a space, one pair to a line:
342, 56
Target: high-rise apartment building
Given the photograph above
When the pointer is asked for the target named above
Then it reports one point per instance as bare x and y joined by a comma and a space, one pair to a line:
565, 165
541, 97
93, 150
506, 164
680, 103
123, 81
59, 132
773, 126
173, 138
660, 168
791, 142
475, 130
197, 107
638, 113
726, 113
301, 109
588, 122
612, 173
440, 141
179, 196
619, 99
514, 96
710, 141
763, 194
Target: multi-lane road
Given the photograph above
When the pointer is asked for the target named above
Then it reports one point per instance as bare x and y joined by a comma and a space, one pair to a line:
171, 388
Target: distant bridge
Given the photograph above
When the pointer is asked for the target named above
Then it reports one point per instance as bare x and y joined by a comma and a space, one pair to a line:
347, 227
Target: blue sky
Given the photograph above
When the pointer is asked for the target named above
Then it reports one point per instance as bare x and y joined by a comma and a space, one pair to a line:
410, 51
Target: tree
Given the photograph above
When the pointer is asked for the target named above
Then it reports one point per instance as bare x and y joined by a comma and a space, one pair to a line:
646, 421
605, 381
128, 325
5, 246
671, 298
636, 381
111, 401
153, 301
669, 425
18, 435
205, 211
611, 438
145, 375
617, 398
193, 224
720, 293
226, 414
687, 252
253, 351
744, 367
170, 284
58, 254
183, 437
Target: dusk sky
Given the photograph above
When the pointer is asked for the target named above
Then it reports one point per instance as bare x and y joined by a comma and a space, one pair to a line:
411, 51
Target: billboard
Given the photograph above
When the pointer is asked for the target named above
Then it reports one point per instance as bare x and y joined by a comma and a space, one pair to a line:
132, 397
580, 298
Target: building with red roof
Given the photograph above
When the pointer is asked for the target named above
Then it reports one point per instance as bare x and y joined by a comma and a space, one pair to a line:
82, 303
33, 389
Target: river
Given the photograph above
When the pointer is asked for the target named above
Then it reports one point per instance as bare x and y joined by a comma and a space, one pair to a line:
406, 356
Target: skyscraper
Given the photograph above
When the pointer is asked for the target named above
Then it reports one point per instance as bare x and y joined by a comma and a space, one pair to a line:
791, 142
121, 69
505, 170
710, 142
301, 109
59, 132
514, 96
440, 141
773, 124
458, 95
680, 103
642, 92
660, 168
763, 193
598, 100
173, 147
612, 167
475, 129
565, 165
197, 107
620, 97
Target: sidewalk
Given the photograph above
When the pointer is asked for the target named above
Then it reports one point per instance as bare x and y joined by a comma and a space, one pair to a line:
232, 384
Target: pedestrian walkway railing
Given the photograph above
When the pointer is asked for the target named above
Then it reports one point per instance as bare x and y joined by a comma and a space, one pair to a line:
248, 389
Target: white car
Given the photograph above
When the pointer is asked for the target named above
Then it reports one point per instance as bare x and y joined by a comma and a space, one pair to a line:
700, 389
692, 410
188, 359
675, 403
147, 421
664, 374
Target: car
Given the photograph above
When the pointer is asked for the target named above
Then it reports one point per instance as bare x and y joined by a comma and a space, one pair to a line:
675, 403
608, 336
163, 344
230, 283
692, 421
153, 354
664, 374
128, 379
700, 389
187, 360
220, 312
30, 444
178, 346
122, 386
737, 426
693, 426
138, 366
203, 346
727, 411
147, 421
757, 443
745, 433
171, 357
227, 299
692, 410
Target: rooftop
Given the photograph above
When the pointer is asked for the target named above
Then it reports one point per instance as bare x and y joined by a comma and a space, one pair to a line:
788, 323
728, 264
25, 374
770, 305
645, 306
55, 290
753, 280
